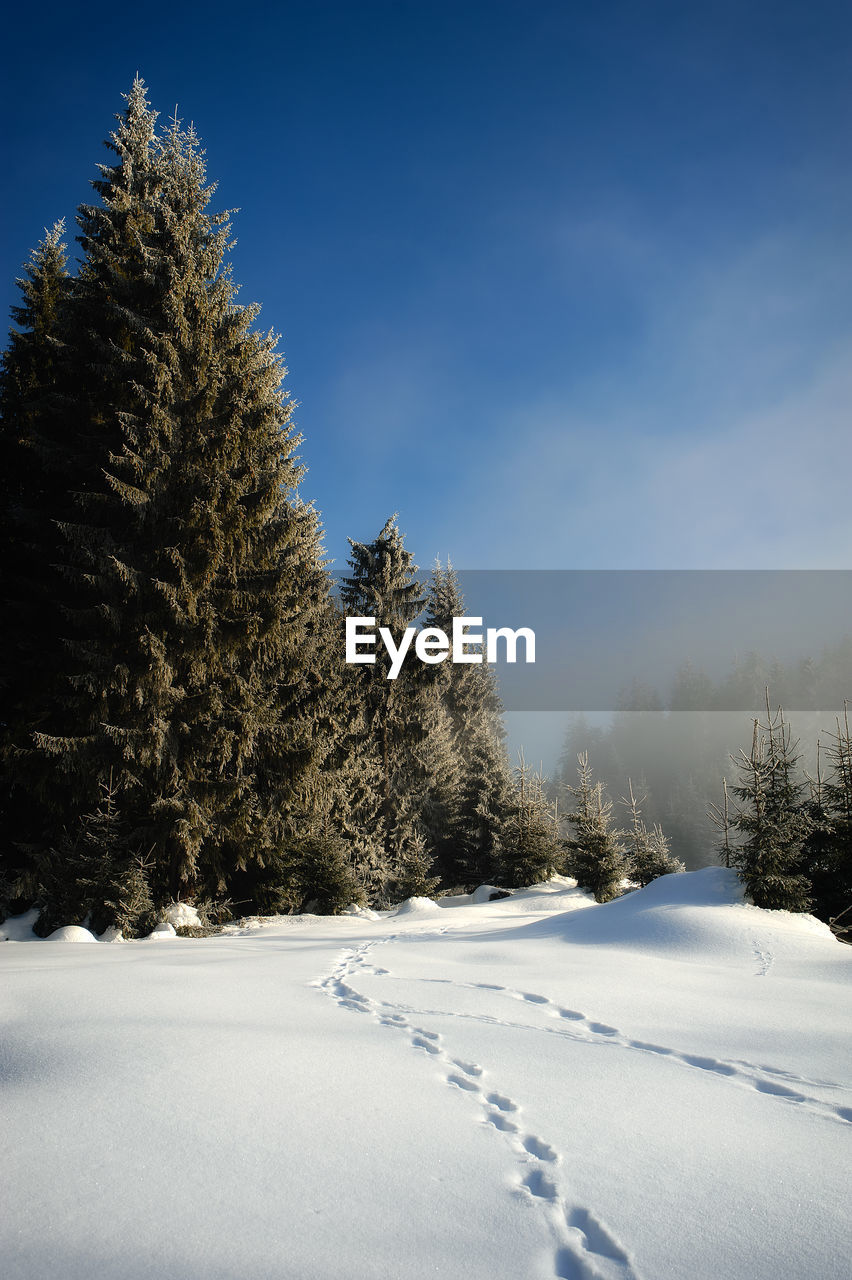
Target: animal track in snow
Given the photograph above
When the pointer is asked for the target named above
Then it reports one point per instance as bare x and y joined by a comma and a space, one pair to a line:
578, 1253
759, 1077
611, 1260
541, 1150
502, 1104
420, 1042
538, 1184
469, 1068
765, 960
501, 1121
587, 1249
462, 1082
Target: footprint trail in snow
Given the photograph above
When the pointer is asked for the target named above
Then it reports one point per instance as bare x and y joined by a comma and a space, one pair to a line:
575, 1025
584, 1247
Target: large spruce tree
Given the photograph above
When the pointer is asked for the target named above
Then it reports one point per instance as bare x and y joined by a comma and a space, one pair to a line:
34, 463
198, 641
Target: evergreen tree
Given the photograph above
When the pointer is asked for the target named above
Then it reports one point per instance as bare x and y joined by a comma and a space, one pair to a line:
771, 819
828, 850
33, 462
357, 790
596, 855
720, 816
413, 877
198, 649
818, 854
531, 848
443, 768
314, 873
95, 878
29, 377
648, 852
383, 585
474, 787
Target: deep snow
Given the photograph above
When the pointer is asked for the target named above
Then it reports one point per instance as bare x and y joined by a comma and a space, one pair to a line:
532, 1087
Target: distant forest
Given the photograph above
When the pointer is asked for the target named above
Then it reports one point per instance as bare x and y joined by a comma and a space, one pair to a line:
678, 746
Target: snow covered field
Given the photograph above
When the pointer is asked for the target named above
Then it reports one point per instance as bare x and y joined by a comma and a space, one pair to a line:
535, 1087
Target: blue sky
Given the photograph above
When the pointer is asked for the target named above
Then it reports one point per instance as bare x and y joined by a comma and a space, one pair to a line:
568, 285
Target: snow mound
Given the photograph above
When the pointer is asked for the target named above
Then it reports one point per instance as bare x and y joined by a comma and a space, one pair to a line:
19, 928
71, 933
163, 930
417, 907
709, 887
181, 915
695, 915
481, 894
484, 892
559, 895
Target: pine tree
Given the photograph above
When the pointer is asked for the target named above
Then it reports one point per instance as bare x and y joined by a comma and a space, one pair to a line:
33, 463
95, 878
413, 877
648, 852
29, 388
476, 792
197, 676
356, 779
531, 848
92, 337
828, 850
819, 861
443, 769
596, 854
383, 585
720, 816
319, 876
771, 818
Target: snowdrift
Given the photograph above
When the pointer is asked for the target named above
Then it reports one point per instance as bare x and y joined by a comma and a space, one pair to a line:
698, 916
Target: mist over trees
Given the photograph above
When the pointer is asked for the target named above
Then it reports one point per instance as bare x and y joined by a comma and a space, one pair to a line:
676, 745
776, 810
